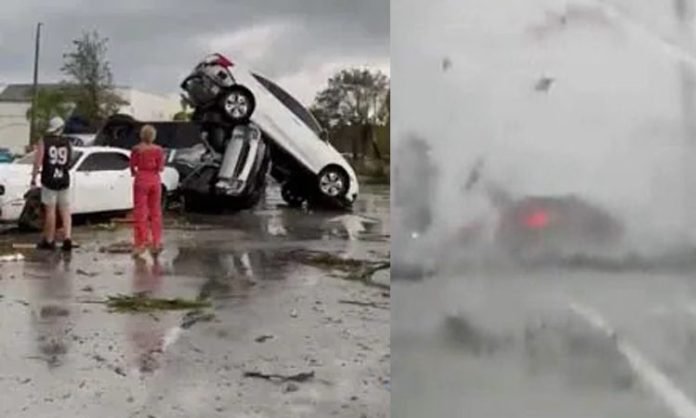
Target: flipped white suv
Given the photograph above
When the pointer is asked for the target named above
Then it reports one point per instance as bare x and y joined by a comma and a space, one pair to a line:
308, 167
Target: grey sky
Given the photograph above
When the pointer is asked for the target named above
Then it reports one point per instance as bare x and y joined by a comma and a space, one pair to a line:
154, 43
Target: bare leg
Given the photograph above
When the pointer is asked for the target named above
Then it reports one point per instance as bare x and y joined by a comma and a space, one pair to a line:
66, 217
50, 223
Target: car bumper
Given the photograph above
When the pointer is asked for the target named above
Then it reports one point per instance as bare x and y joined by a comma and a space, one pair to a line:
10, 210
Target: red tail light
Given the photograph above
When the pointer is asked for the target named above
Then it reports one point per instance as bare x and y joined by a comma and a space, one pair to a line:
537, 219
224, 61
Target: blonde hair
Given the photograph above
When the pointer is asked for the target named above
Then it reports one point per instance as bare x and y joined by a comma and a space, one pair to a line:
148, 133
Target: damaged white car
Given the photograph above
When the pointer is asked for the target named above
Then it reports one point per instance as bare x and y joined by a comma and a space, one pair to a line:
100, 182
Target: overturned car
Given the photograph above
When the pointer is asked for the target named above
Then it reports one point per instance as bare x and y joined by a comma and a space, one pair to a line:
225, 95
227, 172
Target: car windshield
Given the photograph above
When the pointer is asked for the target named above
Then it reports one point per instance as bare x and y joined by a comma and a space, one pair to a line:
29, 158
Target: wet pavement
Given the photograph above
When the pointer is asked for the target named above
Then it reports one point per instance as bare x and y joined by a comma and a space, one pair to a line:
63, 354
496, 341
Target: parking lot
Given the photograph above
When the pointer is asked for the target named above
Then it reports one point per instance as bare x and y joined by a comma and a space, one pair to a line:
499, 341
65, 354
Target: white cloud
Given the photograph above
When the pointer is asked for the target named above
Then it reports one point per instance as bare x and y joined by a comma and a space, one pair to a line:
251, 44
304, 85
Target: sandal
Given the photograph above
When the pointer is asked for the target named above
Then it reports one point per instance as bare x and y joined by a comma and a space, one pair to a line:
138, 252
156, 250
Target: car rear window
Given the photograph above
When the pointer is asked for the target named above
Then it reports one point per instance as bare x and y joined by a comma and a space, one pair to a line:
173, 135
105, 161
291, 103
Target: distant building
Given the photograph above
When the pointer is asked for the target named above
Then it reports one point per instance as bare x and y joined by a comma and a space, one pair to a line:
15, 101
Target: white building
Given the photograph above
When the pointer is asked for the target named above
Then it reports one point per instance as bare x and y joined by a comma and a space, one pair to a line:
15, 101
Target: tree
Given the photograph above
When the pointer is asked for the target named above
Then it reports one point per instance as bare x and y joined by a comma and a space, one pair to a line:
50, 103
352, 97
184, 114
90, 79
355, 97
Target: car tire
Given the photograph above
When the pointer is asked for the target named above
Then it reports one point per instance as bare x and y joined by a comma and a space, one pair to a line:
292, 195
238, 104
32, 216
333, 182
194, 202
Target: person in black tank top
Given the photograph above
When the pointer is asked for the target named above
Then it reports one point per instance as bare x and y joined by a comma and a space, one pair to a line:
53, 157
56, 163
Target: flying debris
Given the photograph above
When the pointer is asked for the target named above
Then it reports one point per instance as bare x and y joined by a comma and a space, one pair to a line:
544, 84
446, 64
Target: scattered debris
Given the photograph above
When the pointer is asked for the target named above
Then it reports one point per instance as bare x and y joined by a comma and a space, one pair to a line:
293, 313
87, 289
446, 64
359, 270
544, 84
370, 304
291, 387
187, 226
194, 317
326, 260
140, 302
81, 272
53, 311
111, 226
11, 257
263, 338
122, 247
127, 220
368, 271
279, 378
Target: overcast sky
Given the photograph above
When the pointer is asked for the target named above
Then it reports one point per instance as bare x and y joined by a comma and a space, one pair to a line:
154, 43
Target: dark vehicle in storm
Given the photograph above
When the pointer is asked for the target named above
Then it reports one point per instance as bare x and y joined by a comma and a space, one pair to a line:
540, 227
556, 226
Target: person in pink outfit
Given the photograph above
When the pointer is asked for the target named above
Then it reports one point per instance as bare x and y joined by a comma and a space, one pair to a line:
147, 162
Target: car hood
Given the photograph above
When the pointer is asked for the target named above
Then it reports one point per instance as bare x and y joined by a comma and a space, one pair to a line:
15, 173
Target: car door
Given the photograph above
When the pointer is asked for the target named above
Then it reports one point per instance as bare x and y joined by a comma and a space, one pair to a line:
103, 183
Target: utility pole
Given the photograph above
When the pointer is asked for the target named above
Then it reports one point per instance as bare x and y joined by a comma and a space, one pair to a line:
35, 89
684, 12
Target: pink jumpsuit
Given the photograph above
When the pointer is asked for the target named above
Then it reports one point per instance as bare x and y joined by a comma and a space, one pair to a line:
147, 162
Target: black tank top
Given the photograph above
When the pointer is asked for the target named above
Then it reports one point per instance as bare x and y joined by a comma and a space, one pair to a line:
55, 174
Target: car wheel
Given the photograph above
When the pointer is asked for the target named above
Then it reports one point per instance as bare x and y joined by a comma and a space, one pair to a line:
333, 182
292, 196
238, 104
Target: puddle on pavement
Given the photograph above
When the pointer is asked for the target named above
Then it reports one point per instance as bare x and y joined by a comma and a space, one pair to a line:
64, 294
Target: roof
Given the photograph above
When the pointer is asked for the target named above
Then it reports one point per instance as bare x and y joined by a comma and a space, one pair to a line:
22, 93
95, 149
